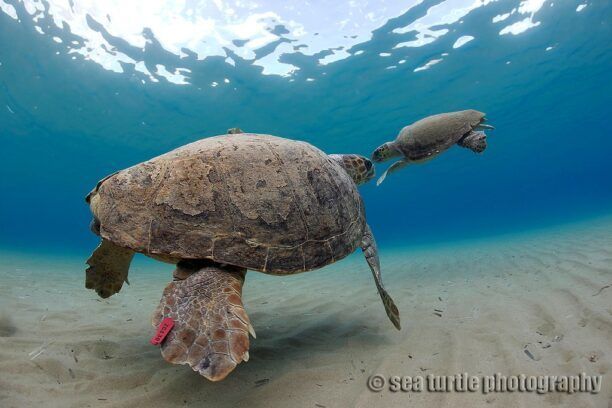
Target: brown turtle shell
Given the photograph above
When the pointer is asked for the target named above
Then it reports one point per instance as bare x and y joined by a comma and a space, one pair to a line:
257, 201
434, 134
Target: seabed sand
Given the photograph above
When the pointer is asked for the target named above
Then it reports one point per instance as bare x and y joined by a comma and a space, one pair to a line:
322, 334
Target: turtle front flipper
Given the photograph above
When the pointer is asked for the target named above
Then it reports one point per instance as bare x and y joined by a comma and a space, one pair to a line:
394, 167
211, 328
108, 268
368, 246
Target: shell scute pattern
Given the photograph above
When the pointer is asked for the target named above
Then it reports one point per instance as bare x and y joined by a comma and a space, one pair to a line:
234, 199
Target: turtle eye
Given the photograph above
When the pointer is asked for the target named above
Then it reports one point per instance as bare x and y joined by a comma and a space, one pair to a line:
368, 165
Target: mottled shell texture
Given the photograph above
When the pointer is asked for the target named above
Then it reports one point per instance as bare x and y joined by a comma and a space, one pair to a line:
256, 201
434, 134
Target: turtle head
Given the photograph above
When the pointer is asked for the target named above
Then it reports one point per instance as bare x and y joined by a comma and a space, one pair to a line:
385, 152
358, 167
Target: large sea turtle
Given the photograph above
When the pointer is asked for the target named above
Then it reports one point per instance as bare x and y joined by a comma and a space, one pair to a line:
220, 206
428, 137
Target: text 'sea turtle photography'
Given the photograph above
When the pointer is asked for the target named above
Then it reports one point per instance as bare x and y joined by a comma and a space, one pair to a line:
320, 204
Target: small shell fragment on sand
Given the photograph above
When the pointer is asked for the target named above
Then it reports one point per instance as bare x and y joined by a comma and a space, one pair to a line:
261, 382
593, 357
37, 352
531, 352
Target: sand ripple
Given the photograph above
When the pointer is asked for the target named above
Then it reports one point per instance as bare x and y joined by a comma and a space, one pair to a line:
535, 304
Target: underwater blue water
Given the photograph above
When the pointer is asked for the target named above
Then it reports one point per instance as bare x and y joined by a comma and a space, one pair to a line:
66, 122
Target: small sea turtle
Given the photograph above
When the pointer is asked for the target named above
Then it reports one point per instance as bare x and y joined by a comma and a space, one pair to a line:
234, 131
428, 137
220, 206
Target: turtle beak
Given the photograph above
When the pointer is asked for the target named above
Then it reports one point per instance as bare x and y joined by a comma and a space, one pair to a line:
377, 155
483, 126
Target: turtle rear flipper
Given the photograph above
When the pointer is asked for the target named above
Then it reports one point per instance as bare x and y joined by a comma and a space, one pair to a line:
211, 328
475, 141
368, 246
108, 268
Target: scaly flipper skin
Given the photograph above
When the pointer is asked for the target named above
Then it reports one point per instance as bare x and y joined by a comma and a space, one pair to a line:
368, 246
211, 327
394, 167
108, 268
475, 141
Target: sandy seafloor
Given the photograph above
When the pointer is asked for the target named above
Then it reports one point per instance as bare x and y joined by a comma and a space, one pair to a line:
320, 335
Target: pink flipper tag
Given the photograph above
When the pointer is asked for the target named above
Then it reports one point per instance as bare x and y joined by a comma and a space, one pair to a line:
162, 331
